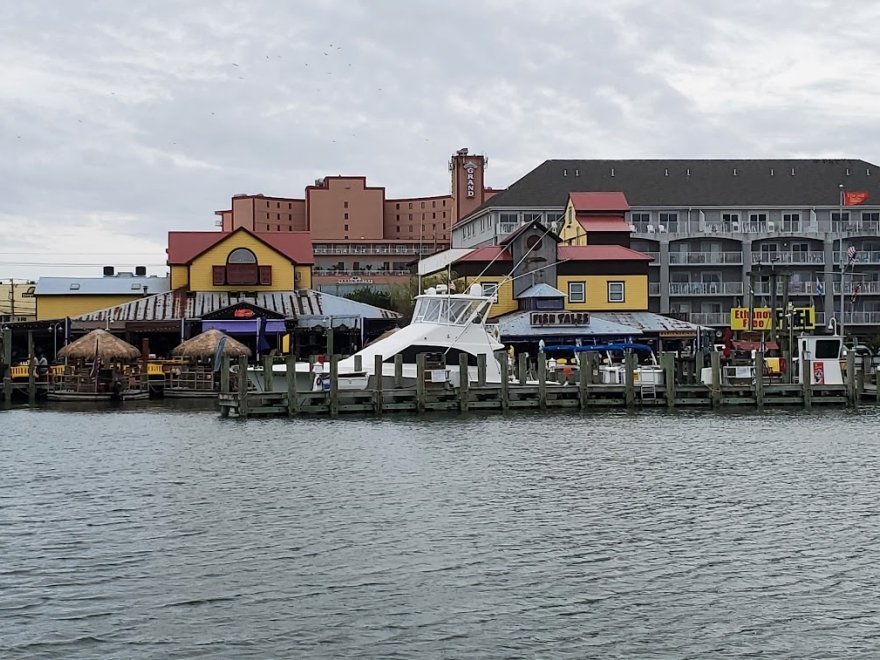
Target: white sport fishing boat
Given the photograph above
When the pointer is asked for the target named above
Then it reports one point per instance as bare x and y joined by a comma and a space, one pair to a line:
444, 323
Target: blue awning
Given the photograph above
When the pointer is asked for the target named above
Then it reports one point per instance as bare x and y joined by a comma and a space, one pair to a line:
245, 327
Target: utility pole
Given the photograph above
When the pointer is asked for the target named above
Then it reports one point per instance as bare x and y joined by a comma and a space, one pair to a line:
773, 322
12, 296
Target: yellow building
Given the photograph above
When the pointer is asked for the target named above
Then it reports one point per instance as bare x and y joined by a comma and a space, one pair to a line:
62, 297
229, 261
17, 302
255, 286
595, 218
595, 289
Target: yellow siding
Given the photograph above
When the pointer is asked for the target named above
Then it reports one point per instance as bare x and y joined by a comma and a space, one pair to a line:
635, 288
201, 272
572, 233
506, 302
305, 277
57, 307
179, 276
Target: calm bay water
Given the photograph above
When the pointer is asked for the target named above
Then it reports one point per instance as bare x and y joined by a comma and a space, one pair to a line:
167, 532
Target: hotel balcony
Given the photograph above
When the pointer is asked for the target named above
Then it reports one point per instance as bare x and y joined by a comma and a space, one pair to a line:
861, 258
379, 249
705, 288
861, 318
794, 289
655, 256
360, 273
816, 257
709, 318
870, 288
653, 288
705, 258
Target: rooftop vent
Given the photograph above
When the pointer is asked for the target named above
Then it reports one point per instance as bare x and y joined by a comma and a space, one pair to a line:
792, 171
564, 172
734, 171
612, 171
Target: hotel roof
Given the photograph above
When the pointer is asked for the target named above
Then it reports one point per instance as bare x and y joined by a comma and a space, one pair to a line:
694, 183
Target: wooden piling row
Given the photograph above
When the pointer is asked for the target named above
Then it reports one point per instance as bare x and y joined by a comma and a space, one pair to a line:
583, 393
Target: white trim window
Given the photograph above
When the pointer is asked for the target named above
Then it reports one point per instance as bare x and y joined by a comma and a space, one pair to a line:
577, 292
490, 289
616, 292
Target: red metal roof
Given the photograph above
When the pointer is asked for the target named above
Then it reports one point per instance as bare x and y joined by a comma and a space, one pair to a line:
487, 253
184, 246
603, 223
599, 201
600, 253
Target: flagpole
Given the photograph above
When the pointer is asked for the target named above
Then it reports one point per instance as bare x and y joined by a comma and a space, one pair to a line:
840, 321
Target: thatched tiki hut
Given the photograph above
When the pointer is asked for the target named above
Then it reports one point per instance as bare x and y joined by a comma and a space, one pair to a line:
99, 366
195, 375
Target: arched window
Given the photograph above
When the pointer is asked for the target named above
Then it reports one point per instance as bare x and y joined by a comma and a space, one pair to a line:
241, 256
242, 269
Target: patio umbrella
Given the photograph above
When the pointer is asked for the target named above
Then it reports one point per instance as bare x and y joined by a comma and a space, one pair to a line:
100, 344
205, 346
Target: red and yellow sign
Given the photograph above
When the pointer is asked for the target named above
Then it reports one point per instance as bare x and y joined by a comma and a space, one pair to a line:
802, 318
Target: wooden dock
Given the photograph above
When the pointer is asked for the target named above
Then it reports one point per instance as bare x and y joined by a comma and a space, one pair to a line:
580, 392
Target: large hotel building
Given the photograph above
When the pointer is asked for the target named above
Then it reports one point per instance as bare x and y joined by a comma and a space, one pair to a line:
721, 230
360, 237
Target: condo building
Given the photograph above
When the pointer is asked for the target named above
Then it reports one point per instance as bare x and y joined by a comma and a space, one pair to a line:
719, 231
360, 237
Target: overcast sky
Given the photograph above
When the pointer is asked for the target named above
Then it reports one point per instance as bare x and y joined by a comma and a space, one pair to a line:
124, 120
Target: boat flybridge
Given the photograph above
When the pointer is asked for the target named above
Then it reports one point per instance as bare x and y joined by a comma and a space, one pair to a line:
443, 323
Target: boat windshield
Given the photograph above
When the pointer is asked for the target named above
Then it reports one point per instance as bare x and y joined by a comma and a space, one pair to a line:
446, 309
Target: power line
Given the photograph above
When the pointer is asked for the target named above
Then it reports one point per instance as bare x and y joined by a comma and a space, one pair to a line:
79, 265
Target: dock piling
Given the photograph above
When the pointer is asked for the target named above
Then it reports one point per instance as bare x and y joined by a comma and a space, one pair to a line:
505, 384
806, 385
542, 381
334, 385
242, 386
715, 359
420, 382
378, 397
463, 381
292, 395
759, 379
629, 379
667, 360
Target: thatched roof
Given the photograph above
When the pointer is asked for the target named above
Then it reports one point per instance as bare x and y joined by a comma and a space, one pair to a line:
106, 345
205, 345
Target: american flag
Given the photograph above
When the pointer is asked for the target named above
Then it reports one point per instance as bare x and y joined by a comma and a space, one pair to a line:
851, 252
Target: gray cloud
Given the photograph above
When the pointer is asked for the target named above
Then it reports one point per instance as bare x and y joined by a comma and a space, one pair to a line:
121, 121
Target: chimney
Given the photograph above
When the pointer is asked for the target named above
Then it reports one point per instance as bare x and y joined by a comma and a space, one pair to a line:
108, 271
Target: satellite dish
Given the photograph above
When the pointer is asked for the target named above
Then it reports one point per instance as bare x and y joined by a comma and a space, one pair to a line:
476, 290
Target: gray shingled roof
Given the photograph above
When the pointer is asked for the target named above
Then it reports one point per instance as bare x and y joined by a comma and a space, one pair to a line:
694, 183
174, 305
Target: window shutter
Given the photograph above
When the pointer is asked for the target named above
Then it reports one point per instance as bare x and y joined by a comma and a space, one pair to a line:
219, 275
265, 275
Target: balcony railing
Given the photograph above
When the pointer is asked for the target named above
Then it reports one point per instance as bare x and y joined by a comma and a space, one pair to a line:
856, 225
709, 318
379, 249
359, 273
654, 255
861, 258
705, 288
703, 258
862, 318
794, 289
789, 257
653, 288
870, 288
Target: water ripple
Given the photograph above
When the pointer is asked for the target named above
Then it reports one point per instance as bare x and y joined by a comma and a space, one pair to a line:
162, 532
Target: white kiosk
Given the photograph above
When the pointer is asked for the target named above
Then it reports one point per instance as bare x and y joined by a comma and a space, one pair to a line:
824, 354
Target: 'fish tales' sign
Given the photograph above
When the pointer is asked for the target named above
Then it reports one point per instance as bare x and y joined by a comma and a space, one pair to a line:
560, 319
